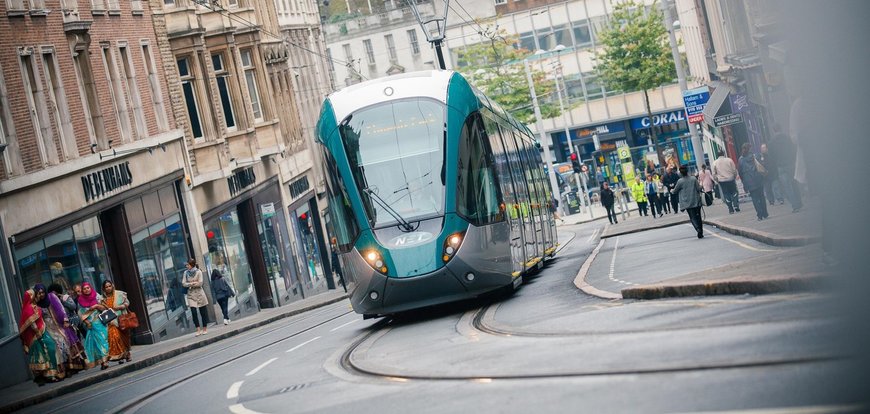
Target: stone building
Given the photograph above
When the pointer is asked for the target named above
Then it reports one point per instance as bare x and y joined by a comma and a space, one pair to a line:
93, 163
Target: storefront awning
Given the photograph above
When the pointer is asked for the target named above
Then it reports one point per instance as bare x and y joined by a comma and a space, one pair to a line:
717, 98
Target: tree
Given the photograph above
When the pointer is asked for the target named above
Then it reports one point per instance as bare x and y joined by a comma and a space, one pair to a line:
495, 67
635, 54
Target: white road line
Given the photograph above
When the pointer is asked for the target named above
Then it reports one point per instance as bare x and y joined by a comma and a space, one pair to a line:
342, 326
263, 365
240, 409
591, 238
233, 392
303, 344
741, 244
613, 260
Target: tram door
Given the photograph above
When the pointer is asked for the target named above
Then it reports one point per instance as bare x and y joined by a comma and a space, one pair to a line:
518, 172
540, 202
534, 199
508, 190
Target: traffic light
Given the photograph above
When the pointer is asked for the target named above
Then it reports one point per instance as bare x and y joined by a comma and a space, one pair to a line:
575, 162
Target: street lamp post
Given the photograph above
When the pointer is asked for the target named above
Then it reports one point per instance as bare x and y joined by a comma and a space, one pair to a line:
539, 122
581, 182
681, 77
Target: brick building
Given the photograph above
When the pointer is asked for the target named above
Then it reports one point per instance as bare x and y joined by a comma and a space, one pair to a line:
93, 164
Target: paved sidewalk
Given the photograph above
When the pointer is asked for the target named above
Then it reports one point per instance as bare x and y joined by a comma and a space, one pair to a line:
789, 270
27, 393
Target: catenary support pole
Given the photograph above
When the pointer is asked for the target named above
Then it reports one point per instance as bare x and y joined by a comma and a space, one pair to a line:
681, 77
545, 143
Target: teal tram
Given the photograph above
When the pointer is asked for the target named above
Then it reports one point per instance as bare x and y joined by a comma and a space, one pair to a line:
436, 194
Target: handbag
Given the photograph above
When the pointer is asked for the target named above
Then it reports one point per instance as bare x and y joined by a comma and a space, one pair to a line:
128, 321
759, 167
107, 316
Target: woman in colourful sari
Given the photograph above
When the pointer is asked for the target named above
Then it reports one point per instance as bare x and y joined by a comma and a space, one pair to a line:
119, 341
96, 338
38, 345
63, 326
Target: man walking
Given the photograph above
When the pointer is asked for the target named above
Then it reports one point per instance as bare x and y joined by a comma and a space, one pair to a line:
772, 185
607, 200
783, 154
725, 173
688, 192
670, 180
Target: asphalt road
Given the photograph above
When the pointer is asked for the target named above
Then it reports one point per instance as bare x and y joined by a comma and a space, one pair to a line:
546, 348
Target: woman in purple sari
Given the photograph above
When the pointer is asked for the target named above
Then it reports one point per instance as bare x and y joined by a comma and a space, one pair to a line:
74, 354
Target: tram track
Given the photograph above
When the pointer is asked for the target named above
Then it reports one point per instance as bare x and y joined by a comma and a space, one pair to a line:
349, 363
140, 401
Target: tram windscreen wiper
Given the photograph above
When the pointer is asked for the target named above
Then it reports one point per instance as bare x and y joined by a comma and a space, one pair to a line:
402, 222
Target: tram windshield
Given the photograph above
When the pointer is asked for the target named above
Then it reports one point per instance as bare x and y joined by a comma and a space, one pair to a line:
396, 153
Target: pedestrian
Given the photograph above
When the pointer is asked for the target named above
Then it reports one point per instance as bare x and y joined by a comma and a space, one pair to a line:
725, 174
195, 296
119, 339
771, 180
707, 184
63, 331
652, 196
688, 193
752, 174
670, 181
650, 168
70, 306
783, 153
38, 344
554, 208
607, 200
96, 341
222, 292
664, 195
638, 193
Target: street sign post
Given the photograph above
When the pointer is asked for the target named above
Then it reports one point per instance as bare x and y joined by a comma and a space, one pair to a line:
695, 101
729, 119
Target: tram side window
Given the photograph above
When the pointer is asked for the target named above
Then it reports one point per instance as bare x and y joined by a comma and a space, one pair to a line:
477, 196
345, 227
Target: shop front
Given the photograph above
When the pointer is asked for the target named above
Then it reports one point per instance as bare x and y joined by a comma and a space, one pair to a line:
120, 220
309, 245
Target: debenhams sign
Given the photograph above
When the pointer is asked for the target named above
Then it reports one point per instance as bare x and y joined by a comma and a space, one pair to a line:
99, 183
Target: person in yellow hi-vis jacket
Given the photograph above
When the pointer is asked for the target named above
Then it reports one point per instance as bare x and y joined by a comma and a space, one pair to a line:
637, 188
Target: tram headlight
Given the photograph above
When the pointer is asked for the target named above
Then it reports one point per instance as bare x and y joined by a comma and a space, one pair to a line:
374, 259
451, 245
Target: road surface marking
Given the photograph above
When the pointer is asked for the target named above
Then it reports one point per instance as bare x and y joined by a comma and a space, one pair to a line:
240, 409
342, 326
263, 365
741, 244
613, 266
303, 344
233, 392
580, 280
591, 238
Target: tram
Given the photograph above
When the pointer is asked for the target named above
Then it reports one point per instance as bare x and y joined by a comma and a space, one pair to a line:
436, 194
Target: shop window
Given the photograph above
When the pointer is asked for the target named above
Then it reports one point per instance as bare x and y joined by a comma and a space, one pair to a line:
308, 251
161, 254
8, 325
227, 254
272, 229
477, 197
72, 255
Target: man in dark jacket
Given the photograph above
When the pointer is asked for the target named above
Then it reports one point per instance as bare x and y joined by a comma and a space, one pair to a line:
670, 181
607, 199
688, 193
783, 154
772, 187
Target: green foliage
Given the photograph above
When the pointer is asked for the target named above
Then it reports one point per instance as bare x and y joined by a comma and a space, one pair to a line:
496, 68
635, 54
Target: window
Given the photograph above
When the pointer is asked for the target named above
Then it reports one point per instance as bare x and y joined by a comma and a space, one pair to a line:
396, 155
497, 2
251, 81
221, 75
154, 84
412, 38
594, 89
119, 102
11, 157
477, 197
527, 41
370, 53
136, 7
344, 224
88, 90
329, 60
128, 76
582, 35
391, 47
233, 3
348, 53
98, 6
37, 5
7, 317
38, 110
114, 6
16, 7
58, 105
169, 3
188, 86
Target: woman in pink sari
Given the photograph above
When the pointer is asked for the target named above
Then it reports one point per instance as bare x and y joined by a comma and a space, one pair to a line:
38, 344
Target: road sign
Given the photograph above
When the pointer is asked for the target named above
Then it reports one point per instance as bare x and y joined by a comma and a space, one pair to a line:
695, 101
624, 153
729, 119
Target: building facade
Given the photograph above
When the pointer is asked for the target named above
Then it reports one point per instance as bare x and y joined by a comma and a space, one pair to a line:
256, 215
93, 161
